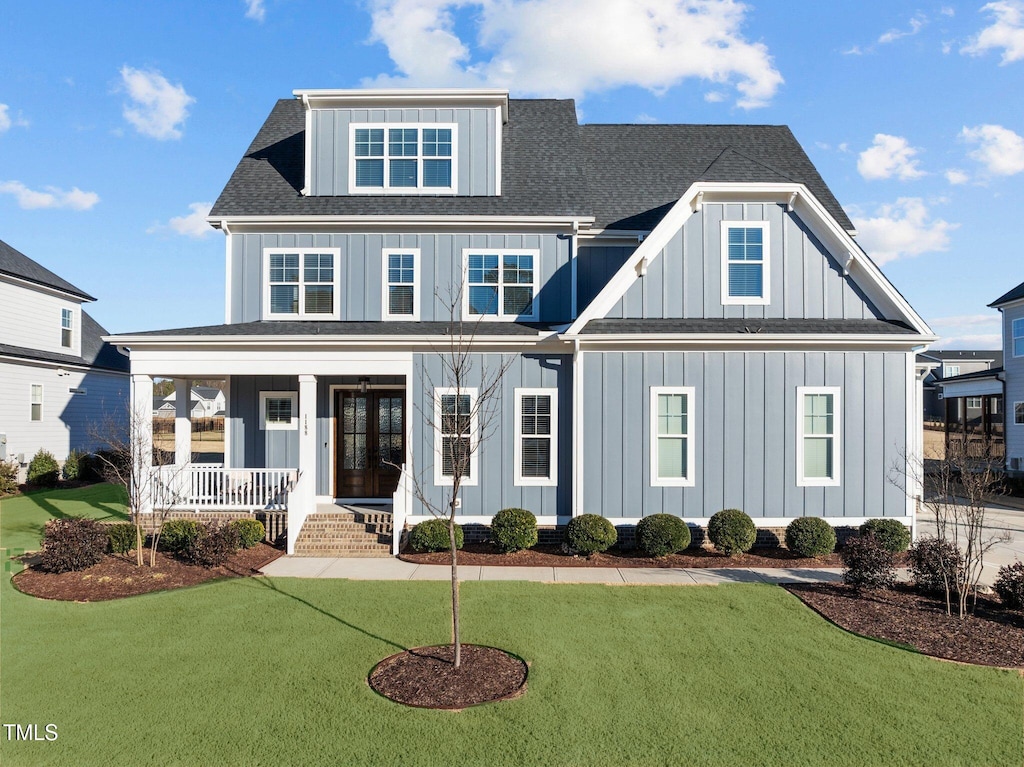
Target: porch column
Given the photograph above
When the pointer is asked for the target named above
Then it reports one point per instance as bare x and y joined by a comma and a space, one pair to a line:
140, 433
302, 501
182, 422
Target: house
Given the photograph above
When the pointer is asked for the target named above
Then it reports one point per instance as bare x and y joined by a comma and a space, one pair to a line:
1011, 307
204, 402
688, 320
59, 381
950, 363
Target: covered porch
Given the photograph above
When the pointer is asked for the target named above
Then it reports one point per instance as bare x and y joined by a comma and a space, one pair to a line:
974, 418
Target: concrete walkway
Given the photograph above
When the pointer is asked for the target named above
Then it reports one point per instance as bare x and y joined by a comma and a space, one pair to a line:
999, 521
397, 570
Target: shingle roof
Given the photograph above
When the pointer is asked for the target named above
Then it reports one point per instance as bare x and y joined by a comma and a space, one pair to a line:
937, 355
990, 373
17, 264
344, 329
1014, 295
752, 326
95, 352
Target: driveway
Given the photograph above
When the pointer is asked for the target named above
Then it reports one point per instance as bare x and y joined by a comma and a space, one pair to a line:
998, 520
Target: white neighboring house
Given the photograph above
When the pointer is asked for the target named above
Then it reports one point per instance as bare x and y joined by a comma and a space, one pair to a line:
58, 379
205, 402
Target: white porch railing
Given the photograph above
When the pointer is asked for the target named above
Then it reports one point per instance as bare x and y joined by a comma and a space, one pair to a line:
208, 487
400, 509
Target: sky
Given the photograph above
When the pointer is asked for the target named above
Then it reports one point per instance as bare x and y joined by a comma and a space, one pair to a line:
120, 122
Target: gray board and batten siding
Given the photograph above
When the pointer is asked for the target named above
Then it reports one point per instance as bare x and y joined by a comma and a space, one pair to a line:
250, 445
744, 432
361, 271
474, 147
685, 280
1014, 391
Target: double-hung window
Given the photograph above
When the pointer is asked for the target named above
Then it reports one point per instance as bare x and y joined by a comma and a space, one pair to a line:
501, 284
1017, 331
536, 437
950, 371
278, 410
672, 419
36, 403
1018, 413
66, 328
745, 262
455, 436
403, 158
817, 448
401, 297
301, 283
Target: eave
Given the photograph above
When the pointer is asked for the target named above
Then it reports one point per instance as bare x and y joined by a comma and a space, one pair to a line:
336, 98
399, 223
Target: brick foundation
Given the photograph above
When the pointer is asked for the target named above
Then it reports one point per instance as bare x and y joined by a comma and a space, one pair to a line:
275, 522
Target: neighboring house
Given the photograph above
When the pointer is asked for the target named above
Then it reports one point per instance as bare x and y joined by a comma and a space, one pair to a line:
205, 402
945, 364
1011, 306
691, 324
59, 381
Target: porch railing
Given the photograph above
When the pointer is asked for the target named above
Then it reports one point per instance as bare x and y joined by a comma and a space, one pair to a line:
208, 487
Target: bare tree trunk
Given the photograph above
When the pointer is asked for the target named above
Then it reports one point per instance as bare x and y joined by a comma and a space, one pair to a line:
456, 638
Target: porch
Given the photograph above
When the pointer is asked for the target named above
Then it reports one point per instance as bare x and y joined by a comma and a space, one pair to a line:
974, 419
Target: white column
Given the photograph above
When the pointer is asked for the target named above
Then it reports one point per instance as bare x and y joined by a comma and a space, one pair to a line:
140, 432
302, 500
182, 422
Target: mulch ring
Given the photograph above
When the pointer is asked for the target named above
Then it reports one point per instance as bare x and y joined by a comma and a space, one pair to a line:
119, 576
425, 677
990, 637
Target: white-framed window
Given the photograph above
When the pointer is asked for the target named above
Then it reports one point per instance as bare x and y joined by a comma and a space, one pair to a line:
745, 262
36, 402
500, 284
974, 402
1017, 333
67, 319
401, 297
455, 435
403, 158
1018, 413
279, 410
950, 371
672, 419
536, 437
817, 446
301, 283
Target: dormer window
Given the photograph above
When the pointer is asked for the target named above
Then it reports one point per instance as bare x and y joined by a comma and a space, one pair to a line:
745, 262
403, 158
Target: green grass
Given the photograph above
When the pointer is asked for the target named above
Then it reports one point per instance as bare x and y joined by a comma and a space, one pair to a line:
22, 517
272, 672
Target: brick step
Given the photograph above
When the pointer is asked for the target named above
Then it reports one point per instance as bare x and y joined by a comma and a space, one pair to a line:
345, 553
339, 526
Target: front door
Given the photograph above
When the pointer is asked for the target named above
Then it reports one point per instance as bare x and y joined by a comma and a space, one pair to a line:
370, 443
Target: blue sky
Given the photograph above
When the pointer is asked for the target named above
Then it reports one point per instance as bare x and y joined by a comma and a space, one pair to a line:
121, 122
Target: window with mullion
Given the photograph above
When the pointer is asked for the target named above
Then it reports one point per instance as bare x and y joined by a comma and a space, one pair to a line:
501, 284
536, 414
818, 413
744, 262
671, 436
400, 299
1017, 330
455, 426
301, 283
66, 325
402, 158
1018, 413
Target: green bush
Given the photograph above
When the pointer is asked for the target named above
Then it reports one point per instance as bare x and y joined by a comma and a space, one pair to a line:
590, 533
934, 563
869, 565
71, 544
432, 535
732, 532
177, 534
1009, 585
122, 537
43, 469
891, 533
72, 469
250, 532
810, 537
514, 530
212, 547
662, 534
8, 478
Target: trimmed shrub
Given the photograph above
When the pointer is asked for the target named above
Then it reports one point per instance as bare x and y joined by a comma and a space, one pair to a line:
8, 477
72, 469
43, 469
432, 535
869, 565
250, 532
212, 547
929, 559
1009, 585
514, 530
90, 468
732, 532
71, 544
590, 533
891, 533
122, 537
662, 534
810, 537
177, 534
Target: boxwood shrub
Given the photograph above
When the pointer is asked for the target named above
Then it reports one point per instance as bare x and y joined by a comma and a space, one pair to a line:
514, 530
1009, 585
432, 535
590, 533
732, 532
891, 533
176, 534
869, 565
71, 544
810, 537
250, 532
930, 558
43, 469
662, 534
122, 537
212, 546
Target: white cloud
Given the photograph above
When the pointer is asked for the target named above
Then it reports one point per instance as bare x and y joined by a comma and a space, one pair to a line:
52, 197
569, 48
254, 10
645, 119
193, 225
1006, 32
6, 121
968, 331
956, 176
853, 50
715, 97
947, 11
889, 156
1000, 150
916, 24
902, 229
158, 109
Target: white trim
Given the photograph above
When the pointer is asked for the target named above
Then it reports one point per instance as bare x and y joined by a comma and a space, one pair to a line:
307, 174
32, 402
835, 436
764, 298
578, 449
500, 285
444, 98
414, 223
335, 253
517, 450
385, 298
759, 522
1015, 421
473, 479
227, 422
498, 123
1013, 338
71, 328
228, 281
293, 424
388, 189
652, 442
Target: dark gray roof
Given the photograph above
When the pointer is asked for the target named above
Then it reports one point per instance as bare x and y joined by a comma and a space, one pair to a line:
206, 392
1014, 295
342, 329
800, 326
95, 353
17, 264
990, 373
962, 355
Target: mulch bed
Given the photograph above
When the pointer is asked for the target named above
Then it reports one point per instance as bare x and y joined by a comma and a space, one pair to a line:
990, 637
425, 677
119, 576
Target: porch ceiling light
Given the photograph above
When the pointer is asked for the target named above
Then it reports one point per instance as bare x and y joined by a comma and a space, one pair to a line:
363, 382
